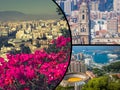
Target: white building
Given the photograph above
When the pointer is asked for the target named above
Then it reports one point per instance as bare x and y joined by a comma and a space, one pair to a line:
100, 25
116, 5
88, 61
67, 7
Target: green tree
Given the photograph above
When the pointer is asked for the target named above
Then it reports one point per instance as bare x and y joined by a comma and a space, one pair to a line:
25, 49
65, 32
98, 72
64, 88
102, 83
113, 67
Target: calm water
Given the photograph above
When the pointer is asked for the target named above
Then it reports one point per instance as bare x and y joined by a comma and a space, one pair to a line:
98, 53
99, 57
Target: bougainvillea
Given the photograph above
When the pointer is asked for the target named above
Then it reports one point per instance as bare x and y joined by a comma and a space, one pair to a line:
36, 71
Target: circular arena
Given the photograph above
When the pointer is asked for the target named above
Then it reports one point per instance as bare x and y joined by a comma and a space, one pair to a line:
77, 80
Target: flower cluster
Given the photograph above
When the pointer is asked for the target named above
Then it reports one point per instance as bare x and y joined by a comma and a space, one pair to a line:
61, 41
35, 71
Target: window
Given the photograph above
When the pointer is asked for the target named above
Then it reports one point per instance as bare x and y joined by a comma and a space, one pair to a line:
83, 17
83, 29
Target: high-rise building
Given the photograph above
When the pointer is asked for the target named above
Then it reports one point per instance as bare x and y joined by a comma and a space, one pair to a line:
72, 5
112, 25
67, 7
77, 66
102, 5
61, 4
116, 5
109, 5
118, 24
94, 5
78, 56
75, 4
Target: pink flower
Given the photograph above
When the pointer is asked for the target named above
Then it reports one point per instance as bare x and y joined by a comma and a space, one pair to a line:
2, 61
22, 82
8, 81
29, 72
23, 67
26, 88
61, 41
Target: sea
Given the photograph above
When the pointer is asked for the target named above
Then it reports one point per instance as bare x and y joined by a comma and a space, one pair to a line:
98, 53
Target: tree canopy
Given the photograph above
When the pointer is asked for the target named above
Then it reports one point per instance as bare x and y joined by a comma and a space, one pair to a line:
102, 83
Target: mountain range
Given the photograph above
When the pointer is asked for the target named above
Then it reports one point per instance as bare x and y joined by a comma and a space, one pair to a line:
16, 15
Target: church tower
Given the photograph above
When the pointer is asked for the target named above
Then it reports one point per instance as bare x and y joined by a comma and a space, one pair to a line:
83, 24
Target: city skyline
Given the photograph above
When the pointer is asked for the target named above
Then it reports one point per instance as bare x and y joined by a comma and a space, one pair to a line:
93, 21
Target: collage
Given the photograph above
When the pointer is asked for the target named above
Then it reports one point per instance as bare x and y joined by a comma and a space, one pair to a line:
59, 45
95, 31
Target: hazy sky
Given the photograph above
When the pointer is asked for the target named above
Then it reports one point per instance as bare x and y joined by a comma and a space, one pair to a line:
29, 6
